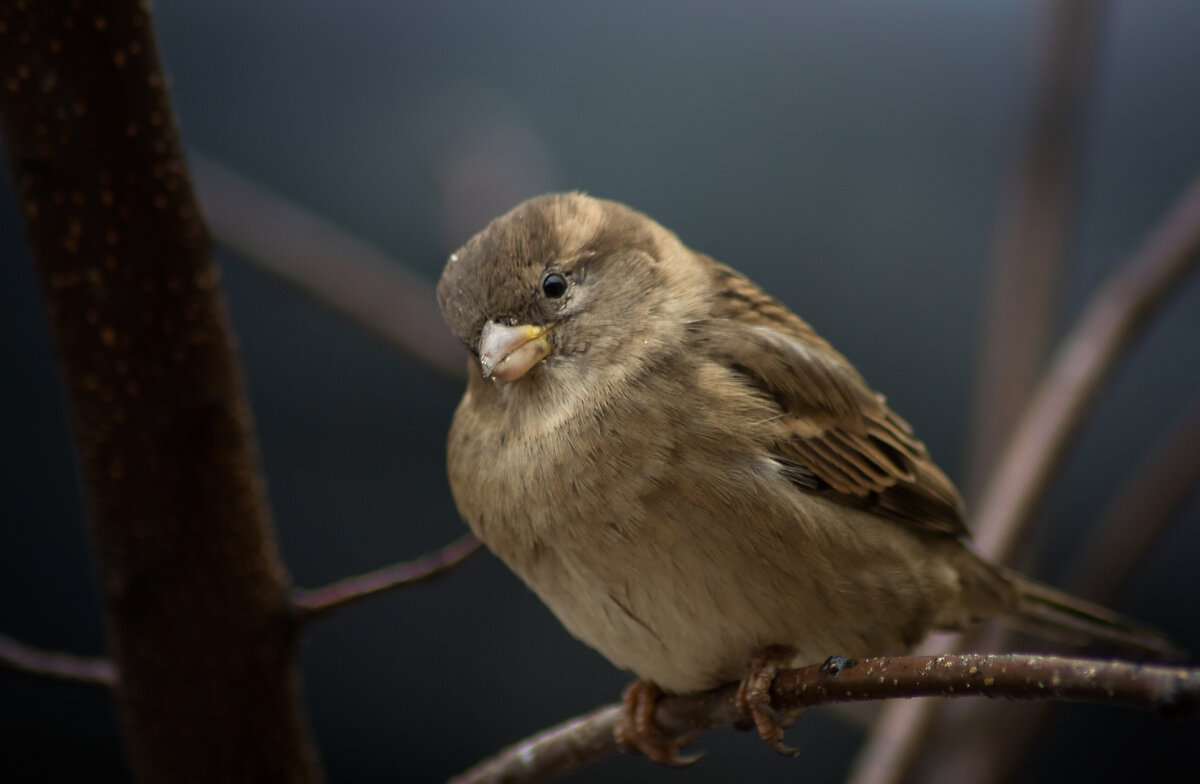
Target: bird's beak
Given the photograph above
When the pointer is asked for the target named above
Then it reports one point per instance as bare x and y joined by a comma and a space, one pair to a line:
507, 353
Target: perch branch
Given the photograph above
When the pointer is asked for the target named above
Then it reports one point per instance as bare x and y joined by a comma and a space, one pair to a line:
1172, 691
335, 269
55, 664
319, 601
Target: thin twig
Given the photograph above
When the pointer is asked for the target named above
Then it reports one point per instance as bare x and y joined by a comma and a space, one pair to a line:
308, 604
1037, 210
319, 601
335, 269
55, 664
1173, 691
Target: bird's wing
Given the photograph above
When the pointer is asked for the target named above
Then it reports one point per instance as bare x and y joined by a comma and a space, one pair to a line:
836, 436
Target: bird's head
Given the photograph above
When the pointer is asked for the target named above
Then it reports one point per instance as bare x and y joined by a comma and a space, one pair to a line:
559, 278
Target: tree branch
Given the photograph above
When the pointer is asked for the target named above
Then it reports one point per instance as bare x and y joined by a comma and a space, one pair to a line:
1171, 691
335, 269
55, 664
310, 604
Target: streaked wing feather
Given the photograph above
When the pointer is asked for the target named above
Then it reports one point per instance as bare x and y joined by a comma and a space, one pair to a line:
837, 437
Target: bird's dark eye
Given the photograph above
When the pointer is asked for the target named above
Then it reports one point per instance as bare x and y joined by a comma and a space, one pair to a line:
554, 285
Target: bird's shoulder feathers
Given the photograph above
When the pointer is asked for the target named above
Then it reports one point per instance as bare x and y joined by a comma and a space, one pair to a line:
835, 435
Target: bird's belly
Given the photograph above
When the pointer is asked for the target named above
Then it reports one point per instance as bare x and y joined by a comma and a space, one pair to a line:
679, 566
685, 591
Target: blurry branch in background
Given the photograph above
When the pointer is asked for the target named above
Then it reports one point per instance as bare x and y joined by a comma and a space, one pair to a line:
1173, 691
316, 602
983, 746
1141, 509
1117, 314
1037, 207
332, 267
1115, 317
1031, 242
54, 664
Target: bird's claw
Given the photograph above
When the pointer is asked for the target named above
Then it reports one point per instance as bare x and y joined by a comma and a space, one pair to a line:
753, 698
637, 733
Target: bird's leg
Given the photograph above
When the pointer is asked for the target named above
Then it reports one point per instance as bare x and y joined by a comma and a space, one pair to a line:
636, 731
753, 698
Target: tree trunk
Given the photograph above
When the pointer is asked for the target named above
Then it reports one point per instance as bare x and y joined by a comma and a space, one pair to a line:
194, 592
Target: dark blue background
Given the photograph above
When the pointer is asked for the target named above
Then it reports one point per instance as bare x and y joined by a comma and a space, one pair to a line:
847, 156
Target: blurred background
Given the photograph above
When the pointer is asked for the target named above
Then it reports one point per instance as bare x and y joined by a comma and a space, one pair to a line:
848, 157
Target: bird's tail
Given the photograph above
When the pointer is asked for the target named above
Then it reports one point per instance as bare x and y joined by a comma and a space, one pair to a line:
1055, 614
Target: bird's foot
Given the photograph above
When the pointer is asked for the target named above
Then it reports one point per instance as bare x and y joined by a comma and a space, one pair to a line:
636, 731
753, 698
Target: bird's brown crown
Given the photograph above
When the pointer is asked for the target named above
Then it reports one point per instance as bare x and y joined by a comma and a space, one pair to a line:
498, 275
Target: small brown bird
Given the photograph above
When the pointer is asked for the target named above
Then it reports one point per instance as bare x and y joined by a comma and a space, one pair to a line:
694, 482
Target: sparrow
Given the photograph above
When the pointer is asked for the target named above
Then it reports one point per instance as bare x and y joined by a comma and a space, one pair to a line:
694, 482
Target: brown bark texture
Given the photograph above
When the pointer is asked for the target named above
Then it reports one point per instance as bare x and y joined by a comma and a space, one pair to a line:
194, 592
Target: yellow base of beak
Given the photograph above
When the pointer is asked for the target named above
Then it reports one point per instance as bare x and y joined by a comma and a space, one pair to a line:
507, 353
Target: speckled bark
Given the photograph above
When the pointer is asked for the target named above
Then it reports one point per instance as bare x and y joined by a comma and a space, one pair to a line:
193, 587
